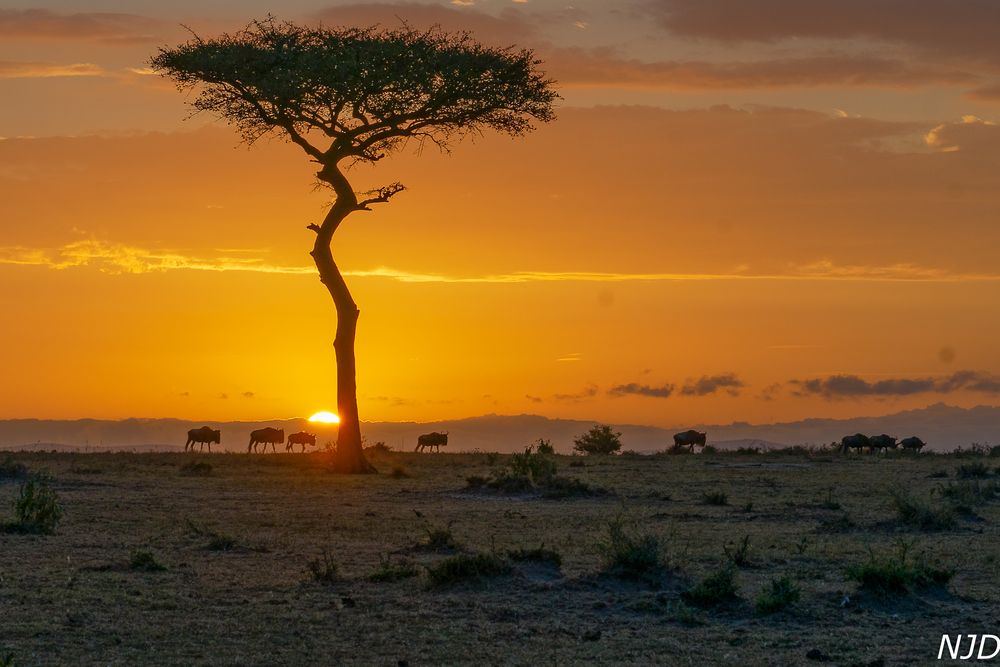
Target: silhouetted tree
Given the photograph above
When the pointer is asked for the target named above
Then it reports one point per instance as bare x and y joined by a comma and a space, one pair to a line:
348, 95
601, 439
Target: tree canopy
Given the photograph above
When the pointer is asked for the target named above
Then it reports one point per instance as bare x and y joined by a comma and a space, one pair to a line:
359, 93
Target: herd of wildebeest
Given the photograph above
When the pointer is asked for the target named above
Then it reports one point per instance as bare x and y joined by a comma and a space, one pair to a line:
684, 440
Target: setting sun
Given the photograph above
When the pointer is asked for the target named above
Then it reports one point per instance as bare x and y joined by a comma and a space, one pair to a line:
325, 418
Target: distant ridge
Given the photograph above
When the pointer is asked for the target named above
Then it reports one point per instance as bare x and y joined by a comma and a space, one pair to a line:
941, 426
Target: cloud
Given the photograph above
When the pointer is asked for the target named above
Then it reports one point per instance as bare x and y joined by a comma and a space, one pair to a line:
533, 399
847, 386
248, 394
23, 70
601, 67
710, 384
589, 392
970, 134
636, 389
115, 28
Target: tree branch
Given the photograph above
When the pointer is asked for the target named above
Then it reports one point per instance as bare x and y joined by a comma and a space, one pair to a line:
382, 195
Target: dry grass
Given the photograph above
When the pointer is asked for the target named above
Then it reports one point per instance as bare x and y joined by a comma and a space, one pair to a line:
74, 598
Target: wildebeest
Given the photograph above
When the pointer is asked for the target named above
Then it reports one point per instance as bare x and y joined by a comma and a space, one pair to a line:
857, 441
266, 436
882, 443
203, 436
300, 438
913, 442
428, 440
689, 439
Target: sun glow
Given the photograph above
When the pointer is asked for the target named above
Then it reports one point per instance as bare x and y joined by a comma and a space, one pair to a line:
325, 418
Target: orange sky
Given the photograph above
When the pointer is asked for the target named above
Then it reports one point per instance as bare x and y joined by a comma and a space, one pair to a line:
731, 219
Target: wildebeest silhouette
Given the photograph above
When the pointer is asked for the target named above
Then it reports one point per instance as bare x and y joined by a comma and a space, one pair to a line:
300, 438
882, 443
857, 441
428, 440
913, 442
689, 439
203, 436
266, 436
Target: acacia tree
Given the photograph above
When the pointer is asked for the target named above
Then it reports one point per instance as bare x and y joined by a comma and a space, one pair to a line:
350, 95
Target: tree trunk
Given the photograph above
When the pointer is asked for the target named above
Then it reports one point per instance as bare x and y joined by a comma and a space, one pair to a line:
350, 457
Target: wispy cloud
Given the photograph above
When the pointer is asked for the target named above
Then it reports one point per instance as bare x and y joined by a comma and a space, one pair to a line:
590, 391
636, 389
107, 27
848, 386
710, 384
23, 70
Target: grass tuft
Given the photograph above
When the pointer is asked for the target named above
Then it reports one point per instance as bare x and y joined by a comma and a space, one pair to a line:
537, 555
389, 571
37, 509
11, 469
466, 567
629, 554
915, 513
716, 589
196, 469
143, 560
781, 594
715, 498
896, 574
323, 569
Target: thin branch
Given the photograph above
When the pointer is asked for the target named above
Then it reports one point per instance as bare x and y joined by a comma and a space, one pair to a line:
382, 195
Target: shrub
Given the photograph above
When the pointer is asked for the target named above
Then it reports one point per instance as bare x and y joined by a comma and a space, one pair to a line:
537, 468
377, 448
196, 469
388, 571
466, 567
140, 559
974, 470
37, 508
7, 660
543, 446
532, 471
739, 555
715, 589
629, 554
439, 538
220, 542
11, 469
715, 498
709, 449
895, 574
781, 593
601, 439
969, 493
915, 513
569, 487
538, 555
323, 569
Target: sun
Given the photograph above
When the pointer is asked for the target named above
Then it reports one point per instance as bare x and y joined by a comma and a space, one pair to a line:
325, 418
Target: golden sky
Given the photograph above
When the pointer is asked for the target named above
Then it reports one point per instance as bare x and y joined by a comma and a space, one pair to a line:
751, 211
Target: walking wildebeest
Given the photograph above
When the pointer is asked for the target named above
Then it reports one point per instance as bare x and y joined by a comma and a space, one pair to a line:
203, 436
689, 439
428, 440
266, 436
858, 441
882, 443
913, 442
300, 438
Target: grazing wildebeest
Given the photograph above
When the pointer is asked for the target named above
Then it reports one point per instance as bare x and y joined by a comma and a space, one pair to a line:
882, 443
857, 441
689, 439
300, 438
428, 440
913, 442
266, 436
203, 436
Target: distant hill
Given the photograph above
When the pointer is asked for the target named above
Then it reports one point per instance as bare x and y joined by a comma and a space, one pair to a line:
941, 426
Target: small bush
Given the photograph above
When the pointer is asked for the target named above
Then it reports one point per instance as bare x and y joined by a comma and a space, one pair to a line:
388, 571
715, 498
538, 555
895, 574
140, 559
543, 446
739, 555
569, 487
220, 542
439, 538
11, 469
537, 468
974, 470
915, 513
782, 593
323, 569
629, 554
377, 448
37, 508
466, 567
717, 588
196, 469
709, 450
969, 493
601, 439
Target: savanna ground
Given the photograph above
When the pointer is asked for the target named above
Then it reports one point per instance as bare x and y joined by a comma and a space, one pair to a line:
237, 541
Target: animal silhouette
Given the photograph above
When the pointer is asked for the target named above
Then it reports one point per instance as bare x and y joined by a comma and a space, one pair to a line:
689, 439
266, 436
912, 443
429, 440
882, 443
300, 438
203, 436
857, 441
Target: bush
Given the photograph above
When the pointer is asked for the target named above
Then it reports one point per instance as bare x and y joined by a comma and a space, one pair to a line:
921, 515
601, 439
543, 446
715, 498
439, 538
376, 448
11, 469
739, 555
37, 508
530, 472
969, 493
388, 571
974, 470
537, 468
629, 554
717, 588
196, 469
323, 569
466, 567
782, 593
140, 559
539, 555
569, 487
895, 574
